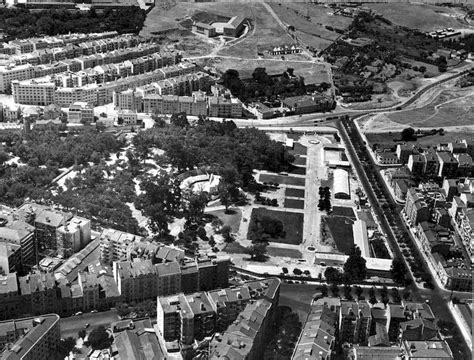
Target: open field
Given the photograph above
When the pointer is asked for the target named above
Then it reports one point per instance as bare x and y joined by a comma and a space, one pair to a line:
282, 179
319, 14
311, 72
279, 252
294, 192
315, 42
292, 224
449, 136
422, 17
294, 203
300, 18
451, 108
235, 248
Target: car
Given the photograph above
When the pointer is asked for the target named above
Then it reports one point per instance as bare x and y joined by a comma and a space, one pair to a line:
87, 325
78, 313
94, 311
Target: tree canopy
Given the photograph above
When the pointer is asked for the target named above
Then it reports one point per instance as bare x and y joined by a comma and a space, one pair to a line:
99, 338
18, 22
355, 268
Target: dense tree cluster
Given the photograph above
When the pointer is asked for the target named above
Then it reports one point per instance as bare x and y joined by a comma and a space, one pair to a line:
41, 155
263, 86
355, 266
49, 148
101, 193
22, 23
263, 228
218, 147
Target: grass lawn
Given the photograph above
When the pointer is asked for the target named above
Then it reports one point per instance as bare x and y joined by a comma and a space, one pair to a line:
292, 224
234, 248
298, 297
422, 17
311, 72
282, 179
279, 252
387, 138
232, 219
298, 170
299, 160
294, 192
294, 203
299, 149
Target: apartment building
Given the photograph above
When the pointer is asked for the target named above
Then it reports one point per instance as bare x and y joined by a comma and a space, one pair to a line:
73, 236
39, 293
10, 73
17, 232
137, 280
33, 92
416, 164
169, 278
175, 319
246, 337
9, 298
30, 338
318, 336
416, 208
186, 318
80, 113
67, 96
403, 152
116, 245
225, 107
448, 165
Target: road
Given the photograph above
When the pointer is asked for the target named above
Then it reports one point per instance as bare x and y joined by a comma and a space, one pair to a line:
70, 326
389, 219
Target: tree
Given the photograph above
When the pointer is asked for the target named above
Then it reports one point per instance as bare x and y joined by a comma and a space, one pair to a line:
160, 200
195, 203
372, 298
226, 233
355, 268
179, 120
66, 346
257, 251
408, 134
82, 333
224, 195
324, 290
399, 271
99, 338
332, 275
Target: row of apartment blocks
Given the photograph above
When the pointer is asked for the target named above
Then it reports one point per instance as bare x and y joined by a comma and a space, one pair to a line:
71, 51
45, 92
102, 287
234, 320
196, 104
23, 46
376, 327
445, 161
442, 220
10, 71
